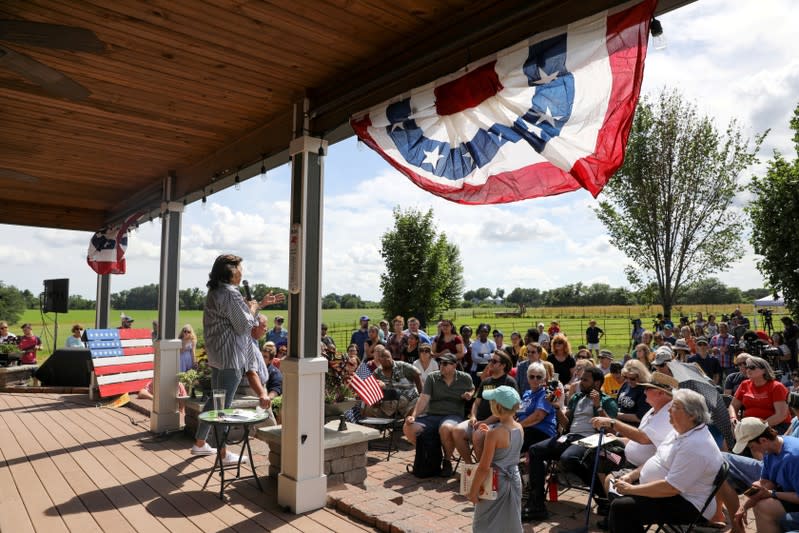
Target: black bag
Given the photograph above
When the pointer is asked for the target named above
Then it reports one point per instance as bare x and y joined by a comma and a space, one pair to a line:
611, 457
427, 462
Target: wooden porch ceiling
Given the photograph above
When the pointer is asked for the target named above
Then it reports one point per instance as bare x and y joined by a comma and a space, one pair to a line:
202, 89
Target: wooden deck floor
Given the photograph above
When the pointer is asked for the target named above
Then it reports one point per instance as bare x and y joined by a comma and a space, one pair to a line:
66, 465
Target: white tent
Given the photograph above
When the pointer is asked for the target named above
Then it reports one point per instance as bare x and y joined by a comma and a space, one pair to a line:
767, 301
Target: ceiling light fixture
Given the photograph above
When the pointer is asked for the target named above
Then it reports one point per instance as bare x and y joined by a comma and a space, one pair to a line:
658, 39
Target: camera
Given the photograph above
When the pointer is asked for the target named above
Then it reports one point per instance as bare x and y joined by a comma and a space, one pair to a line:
764, 312
552, 389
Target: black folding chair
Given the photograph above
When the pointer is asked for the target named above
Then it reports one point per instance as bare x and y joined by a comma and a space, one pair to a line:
721, 476
387, 426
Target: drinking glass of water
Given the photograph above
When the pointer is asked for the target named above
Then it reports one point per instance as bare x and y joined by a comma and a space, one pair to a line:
219, 402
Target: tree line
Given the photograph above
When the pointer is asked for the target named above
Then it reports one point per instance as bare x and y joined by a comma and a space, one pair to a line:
704, 291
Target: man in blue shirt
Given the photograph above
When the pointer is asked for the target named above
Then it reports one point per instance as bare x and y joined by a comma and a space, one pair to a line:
277, 334
777, 489
360, 336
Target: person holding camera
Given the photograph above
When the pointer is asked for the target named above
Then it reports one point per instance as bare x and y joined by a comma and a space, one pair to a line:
536, 414
587, 404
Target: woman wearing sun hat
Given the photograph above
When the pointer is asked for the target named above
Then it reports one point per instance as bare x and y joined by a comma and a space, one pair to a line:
501, 449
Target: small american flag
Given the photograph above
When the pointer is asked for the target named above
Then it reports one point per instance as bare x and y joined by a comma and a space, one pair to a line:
365, 385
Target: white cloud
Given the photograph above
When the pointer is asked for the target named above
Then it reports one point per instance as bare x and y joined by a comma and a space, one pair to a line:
733, 59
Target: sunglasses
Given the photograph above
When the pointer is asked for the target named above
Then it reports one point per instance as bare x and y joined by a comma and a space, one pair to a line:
535, 376
445, 363
495, 362
752, 367
428, 350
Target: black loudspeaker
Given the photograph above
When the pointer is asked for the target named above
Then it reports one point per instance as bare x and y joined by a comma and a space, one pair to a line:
66, 368
56, 295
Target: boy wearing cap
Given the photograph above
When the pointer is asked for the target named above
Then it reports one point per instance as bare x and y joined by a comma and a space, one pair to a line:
710, 365
775, 490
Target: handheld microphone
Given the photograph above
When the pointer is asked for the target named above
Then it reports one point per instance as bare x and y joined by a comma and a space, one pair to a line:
247, 292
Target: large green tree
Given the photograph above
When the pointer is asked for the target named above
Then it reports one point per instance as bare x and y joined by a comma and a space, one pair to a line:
424, 275
774, 212
670, 206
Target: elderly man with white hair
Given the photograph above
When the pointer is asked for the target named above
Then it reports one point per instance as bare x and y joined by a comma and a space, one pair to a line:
673, 485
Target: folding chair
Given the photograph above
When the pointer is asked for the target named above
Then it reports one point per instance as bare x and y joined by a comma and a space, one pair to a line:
721, 476
387, 426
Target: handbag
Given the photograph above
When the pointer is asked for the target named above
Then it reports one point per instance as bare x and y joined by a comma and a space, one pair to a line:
488, 490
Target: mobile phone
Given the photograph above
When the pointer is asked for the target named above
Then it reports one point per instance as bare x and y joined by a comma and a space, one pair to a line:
750, 491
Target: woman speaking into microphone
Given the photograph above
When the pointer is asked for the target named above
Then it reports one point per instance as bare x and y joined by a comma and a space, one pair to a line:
228, 320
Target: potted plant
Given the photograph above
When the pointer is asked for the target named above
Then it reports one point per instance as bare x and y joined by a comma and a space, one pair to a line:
338, 396
188, 379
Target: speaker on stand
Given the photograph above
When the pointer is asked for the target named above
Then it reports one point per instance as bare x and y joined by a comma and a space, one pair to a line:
56, 300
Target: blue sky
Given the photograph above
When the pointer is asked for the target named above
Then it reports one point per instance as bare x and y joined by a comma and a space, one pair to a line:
733, 59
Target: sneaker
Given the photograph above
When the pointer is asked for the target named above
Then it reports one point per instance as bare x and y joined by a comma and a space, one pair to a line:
205, 449
233, 459
446, 468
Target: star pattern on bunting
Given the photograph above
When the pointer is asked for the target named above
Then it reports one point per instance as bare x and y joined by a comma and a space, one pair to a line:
432, 157
544, 78
546, 116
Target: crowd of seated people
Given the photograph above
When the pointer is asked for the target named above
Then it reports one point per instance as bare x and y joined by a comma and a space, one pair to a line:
663, 403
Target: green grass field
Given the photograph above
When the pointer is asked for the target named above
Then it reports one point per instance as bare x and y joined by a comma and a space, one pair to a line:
614, 320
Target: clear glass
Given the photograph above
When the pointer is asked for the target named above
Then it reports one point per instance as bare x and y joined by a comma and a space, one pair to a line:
219, 401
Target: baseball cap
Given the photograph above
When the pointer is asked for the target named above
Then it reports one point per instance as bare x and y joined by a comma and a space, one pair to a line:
701, 340
497, 332
505, 396
540, 324
662, 356
662, 382
279, 318
747, 430
125, 317
364, 317
448, 357
605, 354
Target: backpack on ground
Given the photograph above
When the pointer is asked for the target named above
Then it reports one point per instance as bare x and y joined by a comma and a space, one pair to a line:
427, 462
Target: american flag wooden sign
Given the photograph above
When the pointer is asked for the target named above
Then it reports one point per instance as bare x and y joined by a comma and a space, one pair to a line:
123, 359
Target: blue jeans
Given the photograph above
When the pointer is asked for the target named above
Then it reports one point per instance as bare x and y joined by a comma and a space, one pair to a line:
743, 471
228, 379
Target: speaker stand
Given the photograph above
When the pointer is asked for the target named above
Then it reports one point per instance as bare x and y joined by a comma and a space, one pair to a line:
55, 333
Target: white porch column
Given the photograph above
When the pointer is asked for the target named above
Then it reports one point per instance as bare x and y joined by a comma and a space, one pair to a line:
165, 416
302, 484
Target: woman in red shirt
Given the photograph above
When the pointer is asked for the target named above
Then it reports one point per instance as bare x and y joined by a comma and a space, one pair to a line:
761, 396
29, 344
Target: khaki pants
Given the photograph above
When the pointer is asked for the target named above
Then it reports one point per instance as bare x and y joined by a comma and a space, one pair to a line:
390, 408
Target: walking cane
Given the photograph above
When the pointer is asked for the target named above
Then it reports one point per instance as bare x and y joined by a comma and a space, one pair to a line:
584, 529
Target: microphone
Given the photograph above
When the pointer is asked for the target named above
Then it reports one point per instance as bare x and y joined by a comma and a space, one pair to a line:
247, 292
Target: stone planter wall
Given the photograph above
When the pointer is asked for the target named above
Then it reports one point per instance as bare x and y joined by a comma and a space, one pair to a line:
345, 452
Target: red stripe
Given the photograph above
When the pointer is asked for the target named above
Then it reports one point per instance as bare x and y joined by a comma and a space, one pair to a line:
468, 91
114, 389
119, 369
138, 350
135, 333
368, 389
627, 33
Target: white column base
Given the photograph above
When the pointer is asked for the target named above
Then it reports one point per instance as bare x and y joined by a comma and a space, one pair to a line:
164, 415
302, 484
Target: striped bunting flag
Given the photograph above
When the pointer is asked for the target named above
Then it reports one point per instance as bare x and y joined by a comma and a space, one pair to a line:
365, 385
123, 359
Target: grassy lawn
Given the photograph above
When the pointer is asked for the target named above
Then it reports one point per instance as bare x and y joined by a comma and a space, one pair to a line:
614, 320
